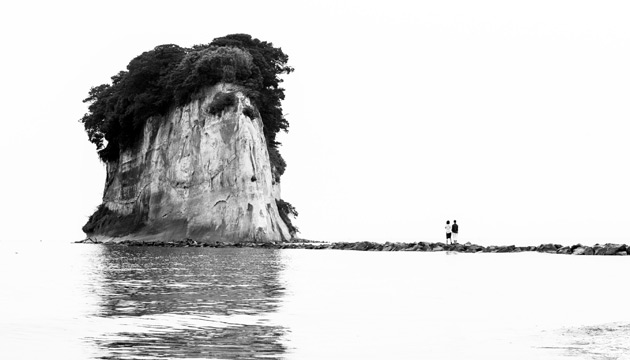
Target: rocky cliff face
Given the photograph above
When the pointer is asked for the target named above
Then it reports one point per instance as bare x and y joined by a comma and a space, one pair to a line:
197, 173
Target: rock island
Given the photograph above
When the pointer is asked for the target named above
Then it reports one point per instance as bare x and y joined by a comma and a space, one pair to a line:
188, 138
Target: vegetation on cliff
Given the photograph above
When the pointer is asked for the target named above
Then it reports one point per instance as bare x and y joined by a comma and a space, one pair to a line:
170, 75
285, 209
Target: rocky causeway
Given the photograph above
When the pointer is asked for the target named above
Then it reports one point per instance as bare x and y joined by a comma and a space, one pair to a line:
578, 249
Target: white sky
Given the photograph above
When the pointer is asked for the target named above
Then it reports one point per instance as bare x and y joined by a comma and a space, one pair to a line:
511, 117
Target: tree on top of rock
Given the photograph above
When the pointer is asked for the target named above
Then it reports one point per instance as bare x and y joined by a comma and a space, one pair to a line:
170, 75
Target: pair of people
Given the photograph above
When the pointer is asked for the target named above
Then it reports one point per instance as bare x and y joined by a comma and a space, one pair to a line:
451, 232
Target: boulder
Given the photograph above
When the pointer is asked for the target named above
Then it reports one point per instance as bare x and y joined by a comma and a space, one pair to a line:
579, 251
612, 249
407, 246
397, 247
492, 249
362, 246
474, 248
505, 249
548, 248
564, 250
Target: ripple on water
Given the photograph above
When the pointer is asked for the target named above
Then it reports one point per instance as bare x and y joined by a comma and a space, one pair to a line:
188, 303
605, 342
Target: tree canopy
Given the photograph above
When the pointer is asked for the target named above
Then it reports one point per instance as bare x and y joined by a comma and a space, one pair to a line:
170, 75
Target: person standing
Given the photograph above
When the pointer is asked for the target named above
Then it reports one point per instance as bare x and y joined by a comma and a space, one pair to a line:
454, 231
448, 232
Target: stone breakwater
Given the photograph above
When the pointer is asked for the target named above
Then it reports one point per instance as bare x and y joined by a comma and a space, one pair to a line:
597, 249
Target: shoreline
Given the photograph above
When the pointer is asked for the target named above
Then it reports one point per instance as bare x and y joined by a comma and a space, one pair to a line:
577, 249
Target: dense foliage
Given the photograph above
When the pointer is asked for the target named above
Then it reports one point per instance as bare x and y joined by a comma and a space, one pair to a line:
221, 102
285, 209
170, 75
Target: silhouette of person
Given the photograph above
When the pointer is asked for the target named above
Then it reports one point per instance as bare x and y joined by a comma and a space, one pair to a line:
454, 231
448, 232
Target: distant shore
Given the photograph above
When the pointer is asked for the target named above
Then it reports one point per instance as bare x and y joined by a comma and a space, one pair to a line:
578, 249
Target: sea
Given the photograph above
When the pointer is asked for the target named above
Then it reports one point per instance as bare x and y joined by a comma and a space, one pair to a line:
79, 301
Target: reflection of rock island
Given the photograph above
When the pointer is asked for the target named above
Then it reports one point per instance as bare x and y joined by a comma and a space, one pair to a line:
206, 169
208, 308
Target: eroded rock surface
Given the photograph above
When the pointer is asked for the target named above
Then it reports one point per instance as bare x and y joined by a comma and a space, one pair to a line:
194, 175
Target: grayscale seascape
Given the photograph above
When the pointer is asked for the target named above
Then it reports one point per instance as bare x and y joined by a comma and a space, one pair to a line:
115, 302
179, 141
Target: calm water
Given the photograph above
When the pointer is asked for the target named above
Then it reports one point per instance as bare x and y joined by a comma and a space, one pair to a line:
96, 302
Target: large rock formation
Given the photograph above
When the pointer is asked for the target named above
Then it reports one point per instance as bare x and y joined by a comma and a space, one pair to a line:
201, 172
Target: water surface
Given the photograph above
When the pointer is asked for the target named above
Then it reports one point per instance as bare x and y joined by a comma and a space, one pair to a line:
96, 302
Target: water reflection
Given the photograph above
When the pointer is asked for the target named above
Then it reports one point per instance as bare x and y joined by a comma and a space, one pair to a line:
189, 303
96, 302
